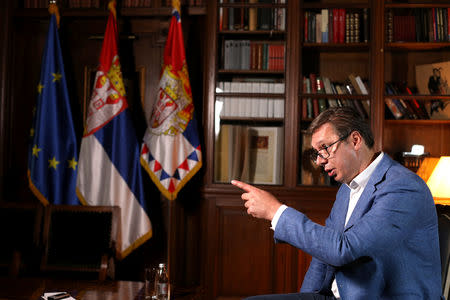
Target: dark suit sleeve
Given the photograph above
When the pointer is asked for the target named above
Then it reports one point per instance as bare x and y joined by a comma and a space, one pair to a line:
393, 208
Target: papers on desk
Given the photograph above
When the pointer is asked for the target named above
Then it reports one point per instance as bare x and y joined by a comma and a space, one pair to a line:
57, 296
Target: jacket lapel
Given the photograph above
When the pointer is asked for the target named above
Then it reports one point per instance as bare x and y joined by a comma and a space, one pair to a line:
365, 201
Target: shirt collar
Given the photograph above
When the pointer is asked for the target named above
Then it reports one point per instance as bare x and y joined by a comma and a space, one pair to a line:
361, 180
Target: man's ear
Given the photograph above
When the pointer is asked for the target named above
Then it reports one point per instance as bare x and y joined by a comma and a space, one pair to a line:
356, 139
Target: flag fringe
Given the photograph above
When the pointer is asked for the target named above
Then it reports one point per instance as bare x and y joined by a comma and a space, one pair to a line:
135, 245
36, 191
161, 188
81, 197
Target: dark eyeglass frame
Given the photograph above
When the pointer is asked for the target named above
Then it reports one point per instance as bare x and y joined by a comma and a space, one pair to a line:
325, 154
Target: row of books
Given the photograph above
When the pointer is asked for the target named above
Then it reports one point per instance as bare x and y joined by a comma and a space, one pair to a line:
103, 3
253, 55
255, 86
336, 25
254, 18
254, 107
136, 3
249, 153
354, 85
420, 25
313, 106
403, 108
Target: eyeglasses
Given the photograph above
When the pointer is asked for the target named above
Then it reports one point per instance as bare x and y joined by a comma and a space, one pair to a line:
323, 152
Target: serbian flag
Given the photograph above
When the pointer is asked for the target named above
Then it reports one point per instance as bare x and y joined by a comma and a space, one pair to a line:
109, 171
53, 150
171, 151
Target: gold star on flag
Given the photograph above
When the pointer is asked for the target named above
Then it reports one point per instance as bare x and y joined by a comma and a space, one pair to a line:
73, 164
32, 132
53, 163
40, 87
36, 151
56, 77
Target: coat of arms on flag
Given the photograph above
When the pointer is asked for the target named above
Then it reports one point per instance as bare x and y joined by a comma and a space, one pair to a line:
171, 151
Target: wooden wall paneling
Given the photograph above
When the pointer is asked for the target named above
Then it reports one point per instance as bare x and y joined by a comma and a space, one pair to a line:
240, 248
292, 78
399, 136
377, 38
244, 251
5, 107
209, 79
28, 43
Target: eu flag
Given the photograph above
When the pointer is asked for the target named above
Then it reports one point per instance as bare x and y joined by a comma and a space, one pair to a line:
53, 156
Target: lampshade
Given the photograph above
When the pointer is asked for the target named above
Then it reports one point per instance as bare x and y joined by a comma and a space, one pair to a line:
439, 181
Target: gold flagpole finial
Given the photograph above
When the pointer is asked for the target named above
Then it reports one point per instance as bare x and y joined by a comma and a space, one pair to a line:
112, 7
53, 9
176, 5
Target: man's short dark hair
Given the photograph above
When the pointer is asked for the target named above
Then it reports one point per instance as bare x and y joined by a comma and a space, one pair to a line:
344, 120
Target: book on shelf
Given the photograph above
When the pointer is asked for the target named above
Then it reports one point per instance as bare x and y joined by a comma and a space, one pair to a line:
336, 25
315, 84
266, 155
253, 55
250, 153
418, 25
244, 106
404, 108
253, 17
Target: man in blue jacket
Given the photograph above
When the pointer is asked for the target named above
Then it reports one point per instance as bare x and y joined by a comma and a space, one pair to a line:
380, 240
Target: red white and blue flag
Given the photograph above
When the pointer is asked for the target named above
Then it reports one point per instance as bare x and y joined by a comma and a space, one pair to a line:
109, 172
171, 151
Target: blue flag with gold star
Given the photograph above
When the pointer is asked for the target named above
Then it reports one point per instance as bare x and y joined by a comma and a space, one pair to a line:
53, 155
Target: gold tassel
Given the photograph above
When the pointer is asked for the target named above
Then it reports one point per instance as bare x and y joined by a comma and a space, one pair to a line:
176, 5
112, 7
53, 9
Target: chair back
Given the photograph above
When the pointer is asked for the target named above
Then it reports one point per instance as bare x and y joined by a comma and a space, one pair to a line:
20, 228
444, 245
80, 239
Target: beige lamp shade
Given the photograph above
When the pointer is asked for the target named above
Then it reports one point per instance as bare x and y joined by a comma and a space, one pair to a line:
439, 181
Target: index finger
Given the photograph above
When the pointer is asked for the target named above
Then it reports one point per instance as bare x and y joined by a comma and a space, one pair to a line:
244, 186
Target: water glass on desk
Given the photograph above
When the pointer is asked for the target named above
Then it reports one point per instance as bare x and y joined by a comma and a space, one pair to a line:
150, 291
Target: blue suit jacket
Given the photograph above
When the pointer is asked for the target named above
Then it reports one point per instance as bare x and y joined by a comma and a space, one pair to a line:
389, 248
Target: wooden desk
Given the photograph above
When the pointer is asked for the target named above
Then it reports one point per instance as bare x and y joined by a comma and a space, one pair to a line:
33, 288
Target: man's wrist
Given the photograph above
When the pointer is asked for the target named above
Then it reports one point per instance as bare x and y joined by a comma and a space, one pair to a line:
277, 216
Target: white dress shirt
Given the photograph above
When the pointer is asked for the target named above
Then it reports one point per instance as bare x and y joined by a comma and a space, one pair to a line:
356, 186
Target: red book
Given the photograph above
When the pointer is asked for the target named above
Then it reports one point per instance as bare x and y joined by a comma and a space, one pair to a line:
434, 24
341, 25
272, 57
305, 29
304, 108
335, 25
316, 107
312, 80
